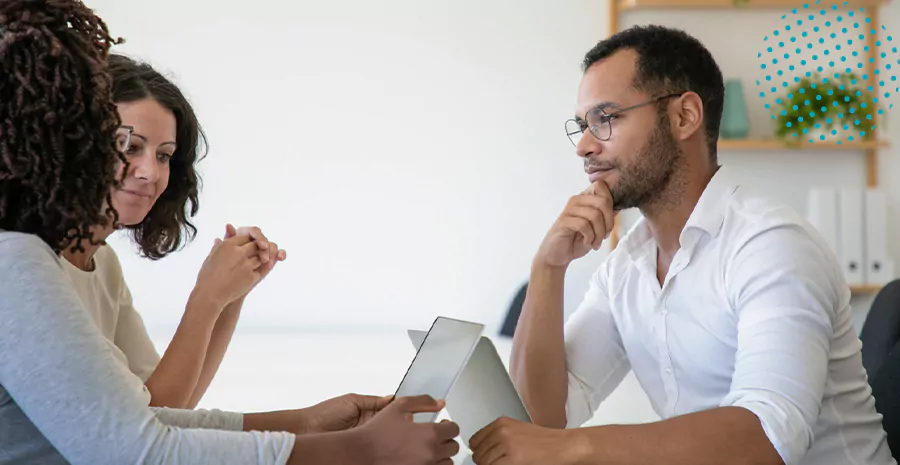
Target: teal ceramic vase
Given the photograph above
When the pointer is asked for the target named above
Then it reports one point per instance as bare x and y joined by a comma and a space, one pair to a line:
735, 121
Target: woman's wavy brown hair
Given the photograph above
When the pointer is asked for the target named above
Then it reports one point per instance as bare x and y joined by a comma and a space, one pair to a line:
167, 226
57, 121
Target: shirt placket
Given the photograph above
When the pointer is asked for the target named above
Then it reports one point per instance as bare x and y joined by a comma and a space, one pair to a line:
667, 370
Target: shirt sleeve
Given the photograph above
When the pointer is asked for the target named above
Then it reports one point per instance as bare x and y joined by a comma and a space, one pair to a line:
199, 418
784, 290
132, 338
55, 365
595, 356
130, 335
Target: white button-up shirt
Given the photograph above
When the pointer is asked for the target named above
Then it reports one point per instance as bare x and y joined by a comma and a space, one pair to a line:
754, 313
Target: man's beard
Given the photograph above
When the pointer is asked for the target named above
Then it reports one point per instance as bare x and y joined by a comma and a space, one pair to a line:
646, 177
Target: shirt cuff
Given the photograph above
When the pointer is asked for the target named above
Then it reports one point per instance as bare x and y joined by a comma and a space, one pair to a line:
205, 419
781, 422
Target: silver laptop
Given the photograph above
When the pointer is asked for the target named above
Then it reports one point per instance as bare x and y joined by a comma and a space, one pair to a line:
483, 392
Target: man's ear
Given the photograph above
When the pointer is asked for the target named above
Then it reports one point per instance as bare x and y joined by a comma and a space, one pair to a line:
686, 116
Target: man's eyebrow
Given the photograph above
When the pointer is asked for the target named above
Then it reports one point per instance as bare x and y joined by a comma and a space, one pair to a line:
602, 106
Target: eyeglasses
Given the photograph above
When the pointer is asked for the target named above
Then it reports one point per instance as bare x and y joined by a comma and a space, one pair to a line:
598, 121
123, 138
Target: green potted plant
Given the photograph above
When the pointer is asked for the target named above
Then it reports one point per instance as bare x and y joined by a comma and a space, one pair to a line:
848, 103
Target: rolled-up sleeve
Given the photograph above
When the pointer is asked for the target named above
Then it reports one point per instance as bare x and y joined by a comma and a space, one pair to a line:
784, 292
595, 356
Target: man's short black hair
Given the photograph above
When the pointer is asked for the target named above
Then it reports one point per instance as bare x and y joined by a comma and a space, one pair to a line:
670, 61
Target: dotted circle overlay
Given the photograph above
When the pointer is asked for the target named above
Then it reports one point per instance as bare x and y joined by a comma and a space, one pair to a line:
816, 65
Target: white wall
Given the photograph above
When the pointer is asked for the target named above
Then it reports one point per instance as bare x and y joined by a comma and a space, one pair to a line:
409, 155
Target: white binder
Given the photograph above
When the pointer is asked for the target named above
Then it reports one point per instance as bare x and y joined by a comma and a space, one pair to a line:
879, 267
822, 214
851, 234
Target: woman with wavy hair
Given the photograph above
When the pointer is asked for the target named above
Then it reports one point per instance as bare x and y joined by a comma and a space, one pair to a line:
162, 141
64, 398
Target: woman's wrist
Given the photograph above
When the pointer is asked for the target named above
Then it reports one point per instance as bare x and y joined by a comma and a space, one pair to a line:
203, 303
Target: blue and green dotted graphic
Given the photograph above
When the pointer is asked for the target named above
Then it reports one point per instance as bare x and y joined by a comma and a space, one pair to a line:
819, 79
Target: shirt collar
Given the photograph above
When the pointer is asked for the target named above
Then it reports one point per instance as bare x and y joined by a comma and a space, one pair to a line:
708, 216
709, 213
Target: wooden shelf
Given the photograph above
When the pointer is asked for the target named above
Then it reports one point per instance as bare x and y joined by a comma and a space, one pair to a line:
752, 4
865, 289
775, 144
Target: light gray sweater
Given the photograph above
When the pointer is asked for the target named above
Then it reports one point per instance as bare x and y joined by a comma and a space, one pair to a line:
65, 398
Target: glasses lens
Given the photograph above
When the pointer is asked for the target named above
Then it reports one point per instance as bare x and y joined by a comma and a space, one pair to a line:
573, 130
599, 123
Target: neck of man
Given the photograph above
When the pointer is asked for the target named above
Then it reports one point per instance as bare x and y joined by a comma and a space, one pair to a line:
84, 260
669, 211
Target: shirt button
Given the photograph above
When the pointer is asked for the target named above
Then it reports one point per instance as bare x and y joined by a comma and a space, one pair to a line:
668, 371
665, 312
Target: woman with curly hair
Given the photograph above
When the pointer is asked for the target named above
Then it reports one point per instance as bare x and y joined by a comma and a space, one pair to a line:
163, 141
63, 396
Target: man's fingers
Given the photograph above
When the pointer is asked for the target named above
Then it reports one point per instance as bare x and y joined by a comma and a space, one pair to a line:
597, 220
604, 203
485, 433
598, 187
581, 226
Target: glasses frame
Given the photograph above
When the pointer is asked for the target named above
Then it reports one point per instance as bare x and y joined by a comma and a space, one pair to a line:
130, 130
594, 129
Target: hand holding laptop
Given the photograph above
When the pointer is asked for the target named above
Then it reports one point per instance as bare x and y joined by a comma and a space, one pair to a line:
341, 413
395, 439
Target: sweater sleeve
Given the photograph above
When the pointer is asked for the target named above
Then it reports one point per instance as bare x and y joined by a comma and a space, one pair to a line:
56, 366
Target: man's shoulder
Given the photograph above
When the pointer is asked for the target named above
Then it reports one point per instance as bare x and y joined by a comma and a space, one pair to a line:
755, 210
774, 233
751, 216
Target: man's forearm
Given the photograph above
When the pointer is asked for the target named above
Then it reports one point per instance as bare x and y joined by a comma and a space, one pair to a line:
721, 436
175, 377
218, 345
538, 362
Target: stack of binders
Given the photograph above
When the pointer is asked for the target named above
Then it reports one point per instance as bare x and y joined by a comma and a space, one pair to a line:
854, 224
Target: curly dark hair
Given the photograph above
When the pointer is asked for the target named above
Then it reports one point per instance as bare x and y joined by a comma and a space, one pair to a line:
167, 227
57, 121
670, 61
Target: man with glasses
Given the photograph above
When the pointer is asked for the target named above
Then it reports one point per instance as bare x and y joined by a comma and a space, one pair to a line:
731, 311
